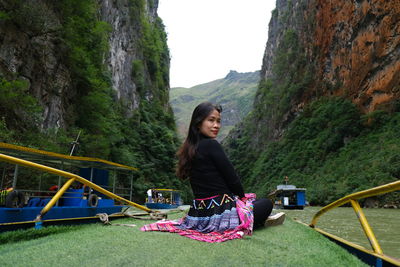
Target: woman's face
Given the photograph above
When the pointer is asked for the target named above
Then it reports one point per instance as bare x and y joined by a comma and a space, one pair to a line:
210, 126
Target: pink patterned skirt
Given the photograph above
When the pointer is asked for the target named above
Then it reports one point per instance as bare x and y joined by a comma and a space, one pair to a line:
214, 219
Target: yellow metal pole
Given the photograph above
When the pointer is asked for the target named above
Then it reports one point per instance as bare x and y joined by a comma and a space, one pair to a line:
366, 227
111, 195
54, 199
70, 175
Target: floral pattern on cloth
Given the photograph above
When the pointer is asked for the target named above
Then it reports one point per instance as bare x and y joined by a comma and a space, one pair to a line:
231, 223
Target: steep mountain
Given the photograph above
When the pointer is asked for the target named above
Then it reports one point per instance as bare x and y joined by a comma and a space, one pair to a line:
235, 93
100, 68
326, 112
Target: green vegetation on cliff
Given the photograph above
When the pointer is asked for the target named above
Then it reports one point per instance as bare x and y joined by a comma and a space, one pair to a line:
18, 109
145, 138
330, 148
326, 145
291, 77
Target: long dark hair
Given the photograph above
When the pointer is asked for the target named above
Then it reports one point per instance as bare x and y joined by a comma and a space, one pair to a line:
188, 149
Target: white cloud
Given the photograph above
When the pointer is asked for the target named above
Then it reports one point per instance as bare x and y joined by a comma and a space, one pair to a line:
208, 38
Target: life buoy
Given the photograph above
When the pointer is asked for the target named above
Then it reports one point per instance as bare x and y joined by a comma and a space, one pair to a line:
93, 200
15, 199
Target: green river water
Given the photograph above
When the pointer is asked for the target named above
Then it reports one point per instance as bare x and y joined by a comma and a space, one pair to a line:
343, 222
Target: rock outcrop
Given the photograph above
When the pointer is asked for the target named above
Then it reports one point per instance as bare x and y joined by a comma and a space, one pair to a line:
359, 45
32, 48
354, 47
123, 42
321, 48
97, 69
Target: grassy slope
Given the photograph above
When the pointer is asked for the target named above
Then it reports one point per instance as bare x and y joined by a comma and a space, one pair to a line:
234, 92
96, 245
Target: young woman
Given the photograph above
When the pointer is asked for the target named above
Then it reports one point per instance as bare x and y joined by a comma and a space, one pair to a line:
220, 210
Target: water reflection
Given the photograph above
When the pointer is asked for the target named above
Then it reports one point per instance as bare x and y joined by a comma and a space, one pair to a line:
343, 222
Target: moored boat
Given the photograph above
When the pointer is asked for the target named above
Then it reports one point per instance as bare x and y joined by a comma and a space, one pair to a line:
163, 199
289, 197
80, 199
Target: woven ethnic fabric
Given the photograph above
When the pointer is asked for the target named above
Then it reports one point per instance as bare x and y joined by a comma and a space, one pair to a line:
215, 219
215, 214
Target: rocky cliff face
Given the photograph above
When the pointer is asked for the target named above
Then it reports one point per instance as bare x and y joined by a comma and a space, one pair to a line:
326, 112
32, 48
124, 46
123, 49
353, 48
97, 68
359, 46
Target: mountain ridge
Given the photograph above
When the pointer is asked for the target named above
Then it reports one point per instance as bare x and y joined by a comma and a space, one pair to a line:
234, 92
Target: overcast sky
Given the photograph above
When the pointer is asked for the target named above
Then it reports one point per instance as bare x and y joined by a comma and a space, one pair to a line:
208, 38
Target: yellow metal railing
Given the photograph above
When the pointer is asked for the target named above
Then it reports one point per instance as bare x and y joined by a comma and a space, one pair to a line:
72, 178
20, 149
353, 199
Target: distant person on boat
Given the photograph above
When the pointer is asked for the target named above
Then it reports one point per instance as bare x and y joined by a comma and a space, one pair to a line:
149, 195
221, 210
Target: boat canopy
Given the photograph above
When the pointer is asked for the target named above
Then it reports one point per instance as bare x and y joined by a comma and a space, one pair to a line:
288, 187
164, 190
36, 155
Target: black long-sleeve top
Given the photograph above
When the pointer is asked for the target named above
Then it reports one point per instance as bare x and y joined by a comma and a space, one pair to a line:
212, 173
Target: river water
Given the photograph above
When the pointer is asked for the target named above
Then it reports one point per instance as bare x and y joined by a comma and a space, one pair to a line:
343, 222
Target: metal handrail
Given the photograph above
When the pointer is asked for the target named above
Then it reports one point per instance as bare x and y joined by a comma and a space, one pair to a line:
353, 199
62, 156
72, 178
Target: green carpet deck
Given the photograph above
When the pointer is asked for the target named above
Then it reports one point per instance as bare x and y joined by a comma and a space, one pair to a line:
290, 244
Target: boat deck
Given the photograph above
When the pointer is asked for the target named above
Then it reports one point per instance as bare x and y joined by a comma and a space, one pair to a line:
290, 244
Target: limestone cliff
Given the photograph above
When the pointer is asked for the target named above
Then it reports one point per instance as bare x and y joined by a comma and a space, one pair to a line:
98, 68
352, 49
359, 44
125, 47
32, 48
327, 110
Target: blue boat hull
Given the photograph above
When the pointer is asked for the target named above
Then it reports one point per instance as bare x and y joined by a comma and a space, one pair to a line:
161, 206
16, 215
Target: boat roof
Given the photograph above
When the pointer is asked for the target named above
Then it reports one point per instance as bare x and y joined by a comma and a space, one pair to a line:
164, 190
42, 156
291, 190
289, 187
